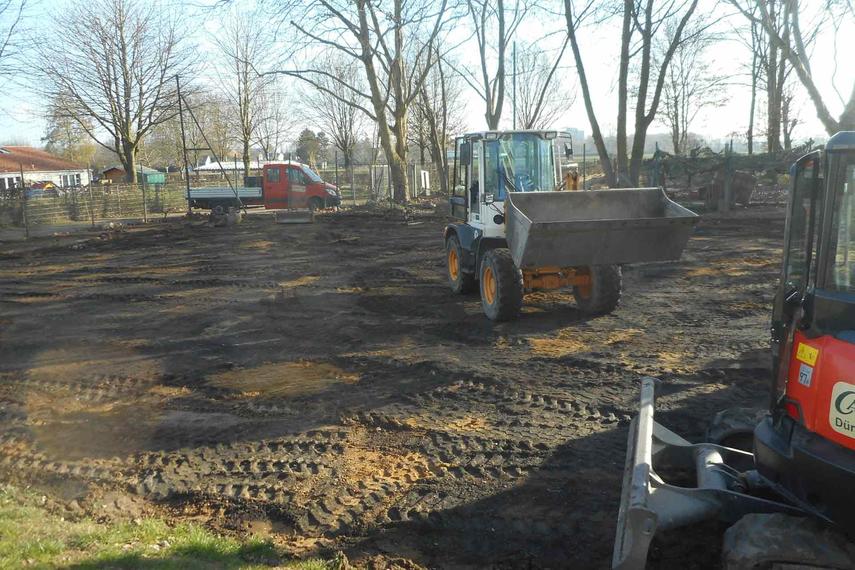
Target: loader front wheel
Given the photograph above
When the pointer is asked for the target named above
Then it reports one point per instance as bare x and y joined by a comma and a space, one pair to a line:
501, 285
602, 295
460, 281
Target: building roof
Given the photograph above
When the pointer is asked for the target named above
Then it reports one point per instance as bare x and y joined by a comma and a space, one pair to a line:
13, 158
140, 169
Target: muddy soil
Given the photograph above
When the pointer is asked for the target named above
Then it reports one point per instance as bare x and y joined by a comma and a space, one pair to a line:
320, 384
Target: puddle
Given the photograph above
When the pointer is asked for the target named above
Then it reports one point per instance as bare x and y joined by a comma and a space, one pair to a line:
284, 379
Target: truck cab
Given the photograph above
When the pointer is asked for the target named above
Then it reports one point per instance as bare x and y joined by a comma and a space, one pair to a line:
295, 185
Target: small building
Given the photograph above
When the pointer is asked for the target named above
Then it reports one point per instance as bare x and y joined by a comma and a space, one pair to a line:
39, 167
146, 175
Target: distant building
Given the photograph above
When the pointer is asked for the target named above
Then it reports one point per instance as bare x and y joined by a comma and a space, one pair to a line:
116, 174
210, 166
38, 167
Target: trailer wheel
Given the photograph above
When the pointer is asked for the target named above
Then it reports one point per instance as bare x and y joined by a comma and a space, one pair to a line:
602, 296
460, 281
316, 204
501, 285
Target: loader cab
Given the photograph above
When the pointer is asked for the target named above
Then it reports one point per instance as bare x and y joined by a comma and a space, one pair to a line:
490, 164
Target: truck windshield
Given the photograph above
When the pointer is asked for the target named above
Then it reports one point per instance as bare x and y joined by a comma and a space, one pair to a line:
841, 275
519, 162
313, 176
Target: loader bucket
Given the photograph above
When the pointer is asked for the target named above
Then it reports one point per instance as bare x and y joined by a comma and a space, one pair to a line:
294, 217
597, 227
649, 504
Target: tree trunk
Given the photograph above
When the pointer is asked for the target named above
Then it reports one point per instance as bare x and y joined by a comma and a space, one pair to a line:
246, 157
596, 134
623, 75
128, 160
753, 106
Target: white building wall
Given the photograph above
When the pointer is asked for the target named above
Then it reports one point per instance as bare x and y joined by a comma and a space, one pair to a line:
61, 178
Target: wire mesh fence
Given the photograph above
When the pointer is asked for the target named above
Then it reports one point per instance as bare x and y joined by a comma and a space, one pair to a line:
33, 209
40, 211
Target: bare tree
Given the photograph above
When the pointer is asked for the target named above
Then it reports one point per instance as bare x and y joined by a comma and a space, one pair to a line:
244, 47
163, 143
114, 62
65, 137
392, 41
539, 100
640, 21
337, 108
792, 43
440, 112
275, 126
11, 21
494, 29
691, 85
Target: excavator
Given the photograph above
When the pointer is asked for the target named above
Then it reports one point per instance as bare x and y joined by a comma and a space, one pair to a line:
788, 493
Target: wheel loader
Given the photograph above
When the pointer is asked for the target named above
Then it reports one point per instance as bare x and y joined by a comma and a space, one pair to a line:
789, 492
519, 230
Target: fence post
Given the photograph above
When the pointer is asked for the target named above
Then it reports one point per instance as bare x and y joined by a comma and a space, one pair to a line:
91, 204
352, 185
24, 204
144, 205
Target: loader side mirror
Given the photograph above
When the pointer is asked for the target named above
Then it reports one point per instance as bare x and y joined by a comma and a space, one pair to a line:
568, 150
465, 154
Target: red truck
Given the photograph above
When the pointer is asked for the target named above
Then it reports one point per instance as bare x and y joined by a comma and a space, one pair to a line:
281, 185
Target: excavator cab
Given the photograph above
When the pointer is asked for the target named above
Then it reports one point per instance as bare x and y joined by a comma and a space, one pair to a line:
802, 465
806, 447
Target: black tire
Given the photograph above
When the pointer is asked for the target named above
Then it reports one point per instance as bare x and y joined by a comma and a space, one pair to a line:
460, 281
734, 427
602, 296
501, 286
316, 204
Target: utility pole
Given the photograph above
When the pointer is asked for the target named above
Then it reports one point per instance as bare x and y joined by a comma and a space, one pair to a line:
183, 143
515, 84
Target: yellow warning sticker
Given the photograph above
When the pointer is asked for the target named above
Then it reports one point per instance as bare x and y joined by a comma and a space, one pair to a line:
807, 354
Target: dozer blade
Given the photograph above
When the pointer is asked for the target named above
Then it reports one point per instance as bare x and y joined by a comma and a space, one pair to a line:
650, 505
294, 217
597, 227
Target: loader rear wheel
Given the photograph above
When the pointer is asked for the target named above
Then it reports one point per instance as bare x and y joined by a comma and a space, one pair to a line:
602, 295
501, 285
460, 281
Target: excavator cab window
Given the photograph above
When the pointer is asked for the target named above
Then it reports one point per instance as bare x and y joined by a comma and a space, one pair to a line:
841, 266
801, 227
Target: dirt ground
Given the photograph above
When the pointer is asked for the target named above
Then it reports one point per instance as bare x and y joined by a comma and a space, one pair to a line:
320, 384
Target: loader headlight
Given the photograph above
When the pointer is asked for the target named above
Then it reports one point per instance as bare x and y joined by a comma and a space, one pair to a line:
331, 192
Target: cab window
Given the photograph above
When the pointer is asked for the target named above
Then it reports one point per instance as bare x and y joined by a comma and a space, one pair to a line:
273, 174
803, 209
460, 171
296, 176
841, 274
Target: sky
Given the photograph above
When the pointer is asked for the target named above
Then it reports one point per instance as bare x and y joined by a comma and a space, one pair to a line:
21, 112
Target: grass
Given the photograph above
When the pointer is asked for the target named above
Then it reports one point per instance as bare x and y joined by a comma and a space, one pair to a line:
32, 537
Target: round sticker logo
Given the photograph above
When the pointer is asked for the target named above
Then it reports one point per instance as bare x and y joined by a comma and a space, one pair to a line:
841, 413
845, 402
